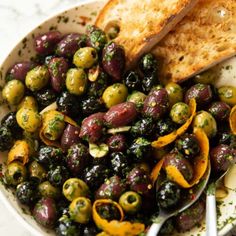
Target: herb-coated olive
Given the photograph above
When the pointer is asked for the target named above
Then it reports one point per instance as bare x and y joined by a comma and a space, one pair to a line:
36, 171
6, 138
119, 163
45, 97
115, 94
37, 78
131, 202
28, 102
188, 145
45, 212
148, 64
91, 105
220, 111
165, 126
9, 121
205, 121
168, 194
16, 173
144, 127
46, 189
90, 230
227, 94
76, 81
180, 112
116, 143
58, 175
148, 82
113, 60
13, 92
74, 188
132, 81
28, 119
108, 211
137, 98
175, 93
111, 189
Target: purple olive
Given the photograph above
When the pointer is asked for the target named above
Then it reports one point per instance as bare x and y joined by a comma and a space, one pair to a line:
45, 43
113, 60
70, 136
70, 44
156, 104
201, 92
221, 157
45, 212
220, 111
19, 70
58, 67
117, 143
111, 189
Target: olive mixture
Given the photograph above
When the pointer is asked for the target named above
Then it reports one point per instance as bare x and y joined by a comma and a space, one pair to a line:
87, 140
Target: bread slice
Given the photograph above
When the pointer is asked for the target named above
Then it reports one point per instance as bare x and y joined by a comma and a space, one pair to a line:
205, 37
142, 23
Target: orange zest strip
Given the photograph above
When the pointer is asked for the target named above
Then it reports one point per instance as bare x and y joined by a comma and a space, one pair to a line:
156, 170
232, 120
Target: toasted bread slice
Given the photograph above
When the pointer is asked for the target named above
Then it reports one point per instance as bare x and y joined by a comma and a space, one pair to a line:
142, 23
205, 37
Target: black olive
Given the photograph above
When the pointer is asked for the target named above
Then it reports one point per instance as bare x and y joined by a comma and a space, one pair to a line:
148, 64
168, 194
91, 105
165, 126
58, 175
6, 138
119, 163
45, 97
148, 82
90, 230
132, 81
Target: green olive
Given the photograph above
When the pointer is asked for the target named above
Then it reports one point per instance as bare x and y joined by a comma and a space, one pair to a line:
206, 77
207, 122
85, 57
46, 189
76, 81
13, 92
28, 102
175, 93
36, 171
15, 173
115, 94
180, 112
227, 94
74, 188
37, 78
130, 202
28, 119
137, 98
80, 210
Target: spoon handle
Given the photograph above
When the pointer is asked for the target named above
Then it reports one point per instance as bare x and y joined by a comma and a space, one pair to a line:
155, 227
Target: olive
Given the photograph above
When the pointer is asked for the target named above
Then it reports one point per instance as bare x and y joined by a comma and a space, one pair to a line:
16, 173
137, 98
68, 104
6, 138
96, 38
76, 81
58, 175
66, 227
221, 157
45, 97
180, 112
227, 94
45, 212
113, 60
36, 171
45, 43
57, 68
37, 78
91, 105
156, 104
175, 93
46, 189
119, 163
177, 160
95, 175
90, 230
26, 192
205, 121
70, 136
188, 145
28, 119
69, 44
19, 70
77, 158
144, 127
116, 143
132, 80
108, 211
148, 82
111, 189
201, 92
74, 188
148, 64
165, 126
140, 149
131, 202
28, 102
115, 94
220, 111
13, 92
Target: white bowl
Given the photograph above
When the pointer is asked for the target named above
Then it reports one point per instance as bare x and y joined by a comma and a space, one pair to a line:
75, 20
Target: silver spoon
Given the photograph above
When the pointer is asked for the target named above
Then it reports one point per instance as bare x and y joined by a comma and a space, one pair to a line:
185, 203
